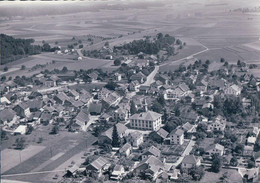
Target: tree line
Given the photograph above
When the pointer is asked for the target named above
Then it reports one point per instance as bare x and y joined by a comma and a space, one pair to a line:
16, 48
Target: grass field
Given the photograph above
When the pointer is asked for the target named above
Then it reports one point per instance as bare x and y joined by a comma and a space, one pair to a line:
11, 158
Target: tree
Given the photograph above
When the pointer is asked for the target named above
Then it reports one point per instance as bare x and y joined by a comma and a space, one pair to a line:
222, 60
133, 109
55, 130
111, 85
117, 62
216, 163
5, 69
157, 107
23, 67
3, 78
107, 44
20, 143
64, 69
233, 161
196, 173
46, 47
115, 137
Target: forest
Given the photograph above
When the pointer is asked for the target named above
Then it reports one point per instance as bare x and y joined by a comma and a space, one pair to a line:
13, 49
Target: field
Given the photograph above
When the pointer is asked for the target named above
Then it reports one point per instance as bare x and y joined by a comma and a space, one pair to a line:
50, 156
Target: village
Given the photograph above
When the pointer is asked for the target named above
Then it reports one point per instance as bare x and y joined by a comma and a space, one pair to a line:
181, 126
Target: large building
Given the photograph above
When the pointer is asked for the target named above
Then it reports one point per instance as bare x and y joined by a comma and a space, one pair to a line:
146, 121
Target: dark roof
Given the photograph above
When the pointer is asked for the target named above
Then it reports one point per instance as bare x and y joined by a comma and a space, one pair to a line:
7, 115
95, 108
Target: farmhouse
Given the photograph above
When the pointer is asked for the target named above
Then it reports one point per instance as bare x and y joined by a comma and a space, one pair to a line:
96, 167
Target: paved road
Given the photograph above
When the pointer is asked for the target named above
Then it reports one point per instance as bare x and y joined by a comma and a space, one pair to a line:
150, 78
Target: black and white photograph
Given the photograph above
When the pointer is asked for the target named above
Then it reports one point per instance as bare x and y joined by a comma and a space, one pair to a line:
130, 91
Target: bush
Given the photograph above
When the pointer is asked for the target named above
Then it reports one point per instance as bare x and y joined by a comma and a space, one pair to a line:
117, 62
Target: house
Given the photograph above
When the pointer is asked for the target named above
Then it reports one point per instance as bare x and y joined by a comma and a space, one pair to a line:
190, 161
125, 150
22, 110
20, 130
218, 124
188, 128
146, 121
140, 77
93, 76
151, 167
35, 105
118, 77
176, 93
105, 117
5, 100
82, 119
159, 136
143, 89
46, 117
233, 90
49, 83
163, 78
251, 141
95, 108
248, 151
61, 98
118, 173
215, 149
136, 138
106, 137
151, 151
201, 86
218, 84
121, 114
133, 86
8, 117
97, 167
72, 171
177, 136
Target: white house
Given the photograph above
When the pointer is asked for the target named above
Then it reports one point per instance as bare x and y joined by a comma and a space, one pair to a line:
146, 121
215, 149
20, 130
190, 161
177, 137
233, 90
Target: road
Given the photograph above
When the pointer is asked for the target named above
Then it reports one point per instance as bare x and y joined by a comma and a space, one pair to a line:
185, 152
188, 57
150, 78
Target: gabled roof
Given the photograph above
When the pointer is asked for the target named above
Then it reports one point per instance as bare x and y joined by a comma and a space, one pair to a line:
153, 151
94, 107
99, 163
187, 126
120, 129
149, 115
235, 87
184, 87
178, 132
136, 135
82, 116
35, 104
153, 163
7, 115
125, 148
163, 133
189, 159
